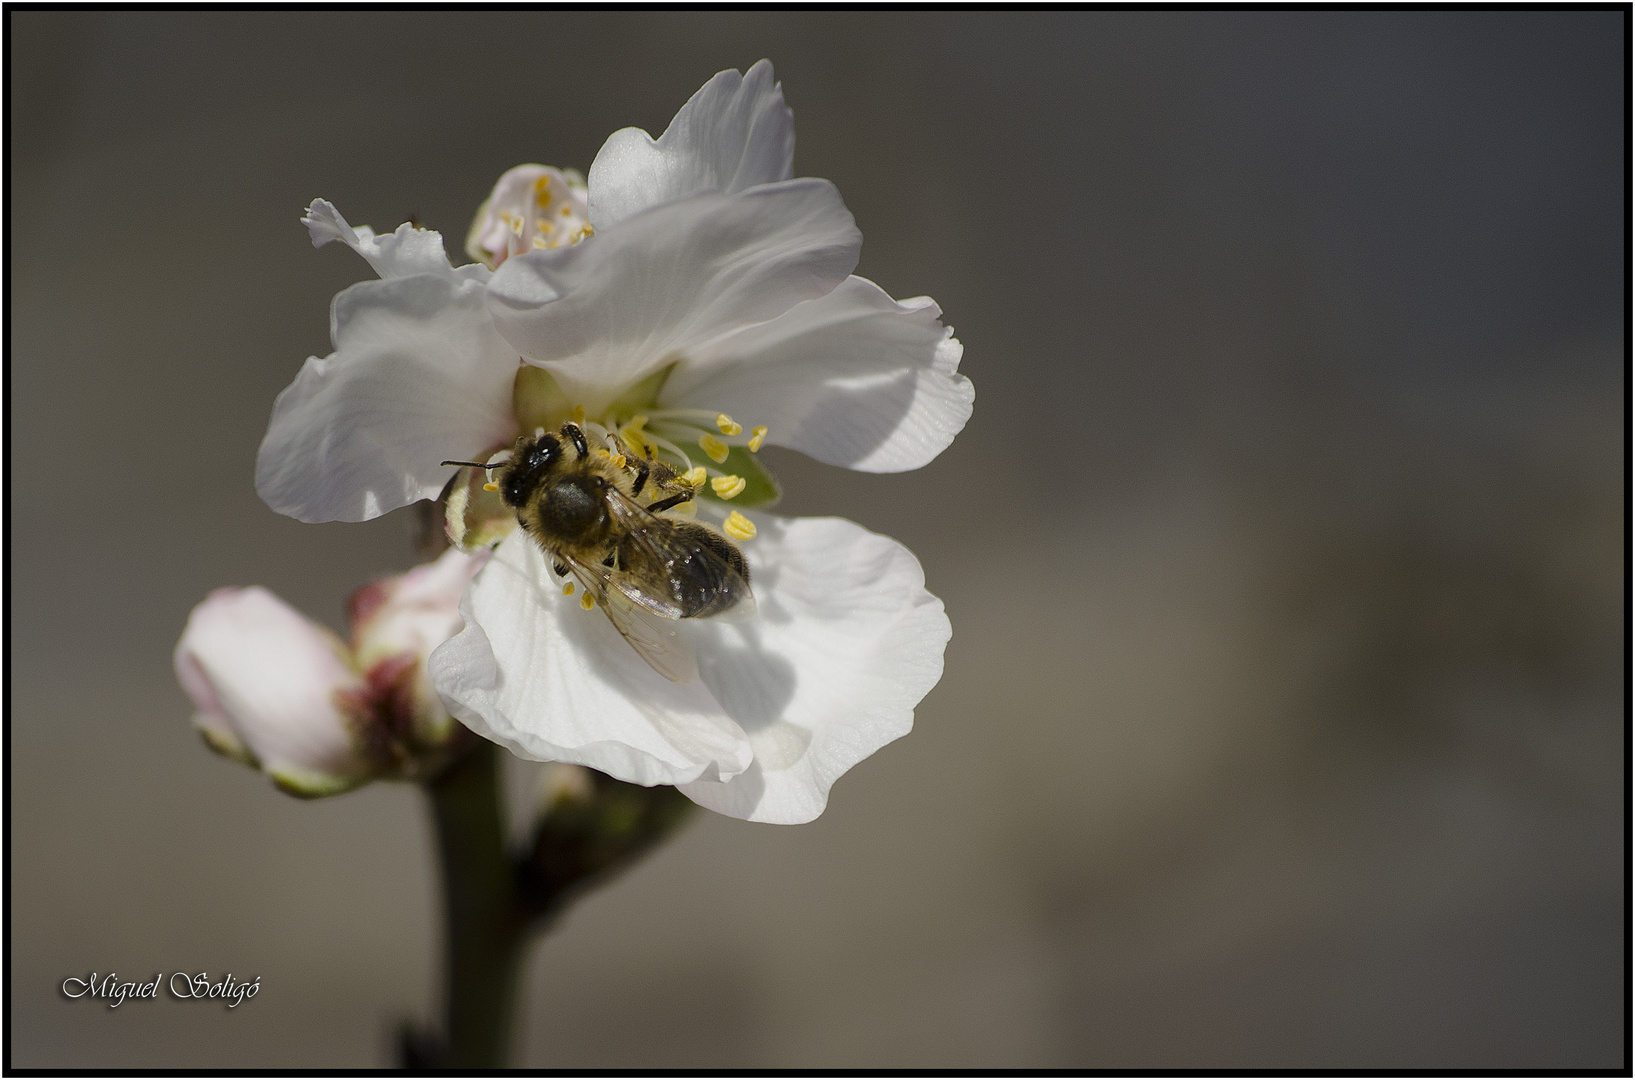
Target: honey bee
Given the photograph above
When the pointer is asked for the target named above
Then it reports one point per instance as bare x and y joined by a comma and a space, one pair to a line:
597, 515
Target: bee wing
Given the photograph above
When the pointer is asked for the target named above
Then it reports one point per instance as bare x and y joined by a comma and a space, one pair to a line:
668, 553
657, 641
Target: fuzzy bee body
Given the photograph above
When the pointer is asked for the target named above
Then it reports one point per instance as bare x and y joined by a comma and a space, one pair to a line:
601, 522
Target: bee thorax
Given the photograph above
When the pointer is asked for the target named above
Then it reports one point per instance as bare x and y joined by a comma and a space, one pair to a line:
572, 512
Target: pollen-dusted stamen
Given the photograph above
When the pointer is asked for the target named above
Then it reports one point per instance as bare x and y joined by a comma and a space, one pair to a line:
756, 434
728, 486
715, 448
632, 434
491, 486
739, 527
587, 601
728, 425
693, 477
567, 588
579, 414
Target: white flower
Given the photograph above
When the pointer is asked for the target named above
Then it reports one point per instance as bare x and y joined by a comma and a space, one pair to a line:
707, 306
318, 715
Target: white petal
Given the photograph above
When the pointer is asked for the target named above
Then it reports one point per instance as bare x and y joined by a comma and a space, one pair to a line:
845, 642
853, 378
256, 666
415, 612
604, 313
407, 251
734, 133
536, 673
418, 376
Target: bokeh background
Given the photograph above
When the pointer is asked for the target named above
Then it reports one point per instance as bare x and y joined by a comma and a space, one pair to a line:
1283, 718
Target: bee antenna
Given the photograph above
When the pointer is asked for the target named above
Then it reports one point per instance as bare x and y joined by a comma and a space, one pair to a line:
474, 464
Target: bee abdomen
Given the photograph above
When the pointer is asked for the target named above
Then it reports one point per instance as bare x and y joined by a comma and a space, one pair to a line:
700, 581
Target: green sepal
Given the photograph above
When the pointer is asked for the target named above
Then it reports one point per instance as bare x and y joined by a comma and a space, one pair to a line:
227, 745
311, 785
760, 486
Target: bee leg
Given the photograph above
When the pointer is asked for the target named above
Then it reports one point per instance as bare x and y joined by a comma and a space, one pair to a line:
641, 478
561, 569
577, 437
665, 504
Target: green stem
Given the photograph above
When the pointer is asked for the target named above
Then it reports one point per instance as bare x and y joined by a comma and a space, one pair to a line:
493, 899
485, 925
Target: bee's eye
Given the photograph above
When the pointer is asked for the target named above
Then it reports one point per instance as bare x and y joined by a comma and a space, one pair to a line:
531, 463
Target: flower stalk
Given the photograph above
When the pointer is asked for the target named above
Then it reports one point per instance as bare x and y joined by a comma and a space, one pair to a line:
496, 900
484, 921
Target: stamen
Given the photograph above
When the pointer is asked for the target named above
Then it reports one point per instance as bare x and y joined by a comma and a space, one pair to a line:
715, 448
618, 461
587, 601
739, 527
693, 477
670, 448
727, 424
567, 589
728, 486
579, 414
632, 433
491, 486
756, 434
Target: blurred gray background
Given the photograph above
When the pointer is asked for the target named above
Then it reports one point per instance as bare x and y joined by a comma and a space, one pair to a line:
1282, 722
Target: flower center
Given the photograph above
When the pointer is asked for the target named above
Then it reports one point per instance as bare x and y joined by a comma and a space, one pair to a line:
704, 449
532, 207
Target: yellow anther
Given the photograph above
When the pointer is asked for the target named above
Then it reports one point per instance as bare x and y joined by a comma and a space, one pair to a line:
739, 527
693, 477
566, 211
587, 601
491, 486
728, 486
618, 461
756, 434
542, 191
602, 452
727, 424
713, 447
579, 414
632, 433
567, 588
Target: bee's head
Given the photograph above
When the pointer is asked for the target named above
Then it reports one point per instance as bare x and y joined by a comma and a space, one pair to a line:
530, 462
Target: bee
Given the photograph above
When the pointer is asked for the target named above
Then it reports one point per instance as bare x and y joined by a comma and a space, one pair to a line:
597, 515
